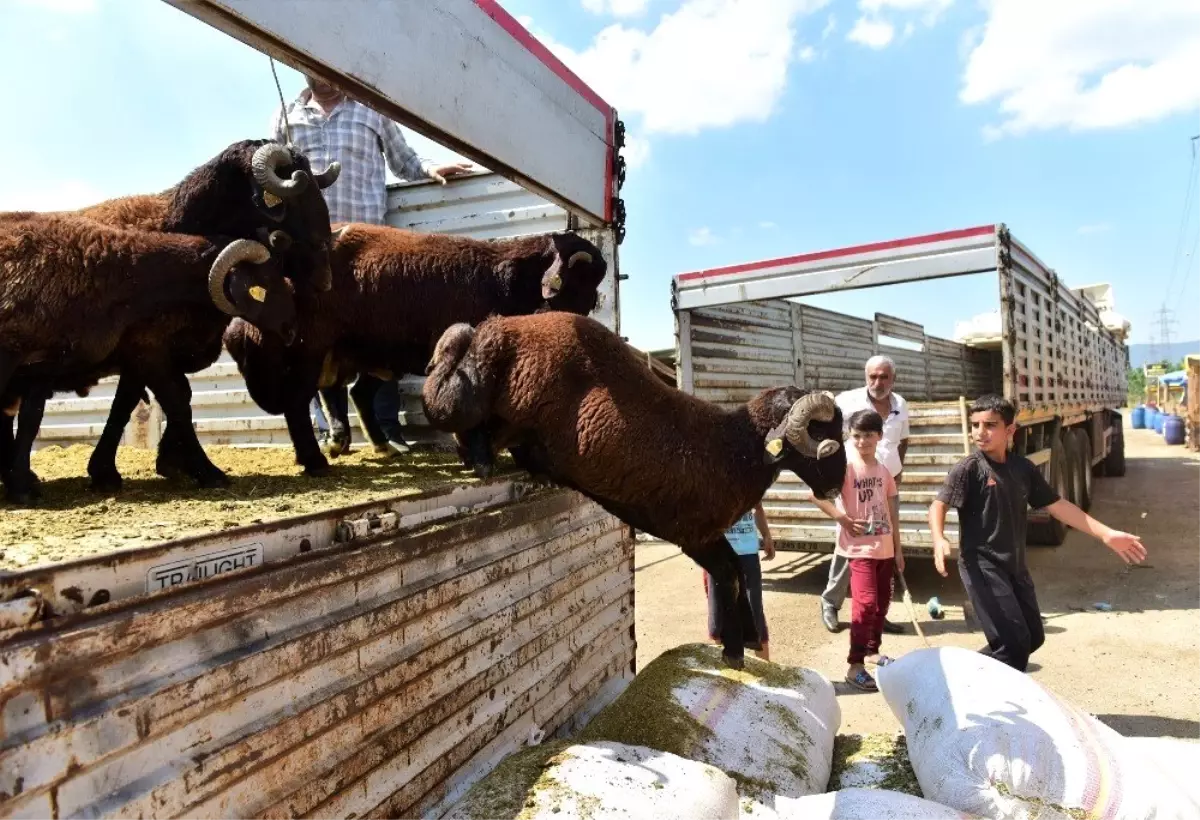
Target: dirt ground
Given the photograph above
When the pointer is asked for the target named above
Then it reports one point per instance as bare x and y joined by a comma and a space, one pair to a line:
1133, 667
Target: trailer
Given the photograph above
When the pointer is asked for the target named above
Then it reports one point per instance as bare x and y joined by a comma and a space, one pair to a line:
370, 657
1057, 354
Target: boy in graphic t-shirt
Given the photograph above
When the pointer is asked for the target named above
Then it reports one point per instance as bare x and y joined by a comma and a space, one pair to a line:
866, 514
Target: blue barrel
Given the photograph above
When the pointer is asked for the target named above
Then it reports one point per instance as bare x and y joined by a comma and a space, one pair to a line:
1173, 430
1159, 418
1138, 417
1150, 414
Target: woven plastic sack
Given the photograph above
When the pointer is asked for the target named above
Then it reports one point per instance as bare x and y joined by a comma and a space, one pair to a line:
987, 739
561, 780
868, 804
770, 727
1176, 760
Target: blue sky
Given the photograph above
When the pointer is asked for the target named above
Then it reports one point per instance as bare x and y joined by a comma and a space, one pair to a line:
759, 128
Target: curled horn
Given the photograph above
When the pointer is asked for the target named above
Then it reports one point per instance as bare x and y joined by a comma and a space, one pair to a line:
237, 251
329, 175
279, 240
579, 256
263, 164
812, 407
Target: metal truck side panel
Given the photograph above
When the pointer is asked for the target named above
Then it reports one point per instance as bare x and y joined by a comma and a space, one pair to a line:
333, 682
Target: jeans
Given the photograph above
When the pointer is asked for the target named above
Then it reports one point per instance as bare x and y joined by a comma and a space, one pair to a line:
387, 409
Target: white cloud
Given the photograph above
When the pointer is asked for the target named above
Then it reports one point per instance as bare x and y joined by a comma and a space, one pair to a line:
876, 28
709, 64
830, 27
1099, 227
62, 195
1085, 64
636, 151
872, 33
702, 236
766, 226
806, 54
617, 8
932, 8
68, 6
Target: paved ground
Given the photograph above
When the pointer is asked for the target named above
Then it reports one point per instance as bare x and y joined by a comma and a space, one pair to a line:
1135, 667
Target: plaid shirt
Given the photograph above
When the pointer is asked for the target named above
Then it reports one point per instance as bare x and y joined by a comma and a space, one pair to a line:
360, 139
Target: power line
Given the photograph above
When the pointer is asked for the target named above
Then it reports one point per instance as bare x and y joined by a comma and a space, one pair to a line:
1187, 207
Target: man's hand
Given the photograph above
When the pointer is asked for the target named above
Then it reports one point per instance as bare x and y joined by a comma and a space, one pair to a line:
768, 547
1129, 547
941, 549
452, 170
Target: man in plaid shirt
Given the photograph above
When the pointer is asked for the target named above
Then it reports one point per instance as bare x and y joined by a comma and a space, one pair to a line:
326, 125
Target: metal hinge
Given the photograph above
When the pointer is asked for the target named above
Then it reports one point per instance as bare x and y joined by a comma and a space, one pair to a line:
619, 165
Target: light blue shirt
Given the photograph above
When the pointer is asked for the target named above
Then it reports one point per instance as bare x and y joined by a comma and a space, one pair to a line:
743, 535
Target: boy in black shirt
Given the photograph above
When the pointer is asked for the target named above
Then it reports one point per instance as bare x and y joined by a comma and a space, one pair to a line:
990, 489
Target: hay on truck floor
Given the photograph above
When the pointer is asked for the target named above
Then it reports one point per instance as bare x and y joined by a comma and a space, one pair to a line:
71, 521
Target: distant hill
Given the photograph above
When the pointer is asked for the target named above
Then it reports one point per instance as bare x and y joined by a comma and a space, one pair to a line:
1138, 354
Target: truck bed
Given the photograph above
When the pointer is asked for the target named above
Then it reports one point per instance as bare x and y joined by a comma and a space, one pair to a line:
71, 521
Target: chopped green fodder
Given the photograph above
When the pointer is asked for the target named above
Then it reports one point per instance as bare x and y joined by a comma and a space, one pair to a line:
511, 789
71, 521
647, 714
1074, 813
874, 761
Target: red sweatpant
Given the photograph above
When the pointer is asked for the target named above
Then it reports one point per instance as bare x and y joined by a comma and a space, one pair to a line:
870, 594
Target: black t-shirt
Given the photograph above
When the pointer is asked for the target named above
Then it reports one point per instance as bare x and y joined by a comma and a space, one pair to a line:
991, 500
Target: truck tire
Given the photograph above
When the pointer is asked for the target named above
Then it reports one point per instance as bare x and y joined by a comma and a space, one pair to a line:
1114, 462
1052, 533
1083, 469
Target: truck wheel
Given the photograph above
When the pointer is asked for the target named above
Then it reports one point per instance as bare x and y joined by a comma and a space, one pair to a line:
1083, 469
1114, 462
1052, 533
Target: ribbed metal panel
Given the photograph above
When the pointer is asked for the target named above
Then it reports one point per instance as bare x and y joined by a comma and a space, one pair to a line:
373, 679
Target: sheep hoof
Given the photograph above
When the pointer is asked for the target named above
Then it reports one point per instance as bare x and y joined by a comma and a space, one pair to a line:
210, 481
733, 663
317, 470
337, 448
107, 484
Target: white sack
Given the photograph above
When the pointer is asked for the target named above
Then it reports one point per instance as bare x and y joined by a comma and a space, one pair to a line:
1176, 760
987, 739
768, 726
867, 804
562, 780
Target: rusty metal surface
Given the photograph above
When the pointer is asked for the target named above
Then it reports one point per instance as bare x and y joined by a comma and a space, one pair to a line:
358, 681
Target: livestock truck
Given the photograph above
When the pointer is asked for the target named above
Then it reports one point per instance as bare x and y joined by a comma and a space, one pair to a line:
1058, 353
289, 647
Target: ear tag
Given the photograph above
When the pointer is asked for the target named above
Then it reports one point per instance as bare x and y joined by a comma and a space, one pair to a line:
258, 293
270, 200
775, 446
554, 282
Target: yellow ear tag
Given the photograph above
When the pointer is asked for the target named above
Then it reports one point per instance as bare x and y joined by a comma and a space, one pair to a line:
775, 446
555, 282
258, 293
270, 199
